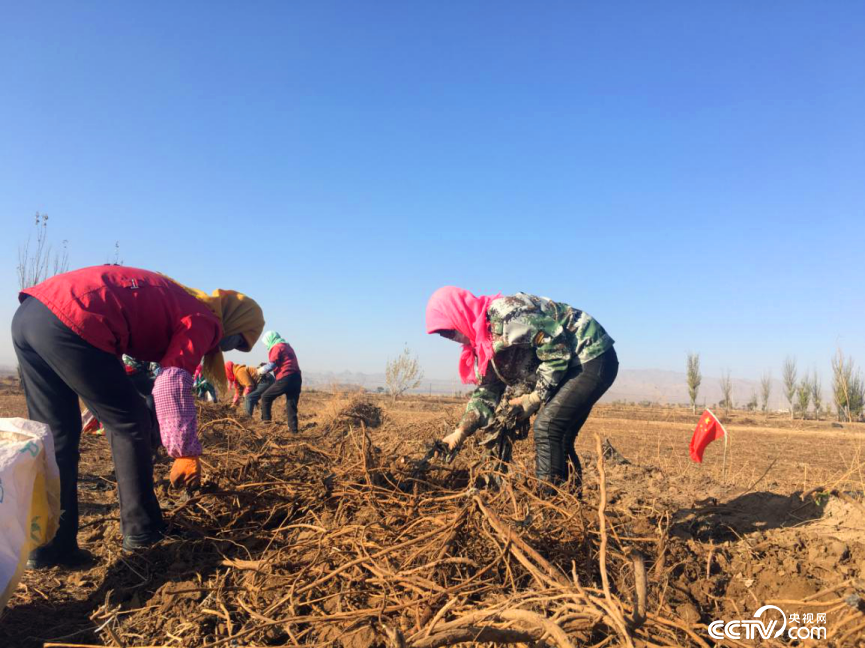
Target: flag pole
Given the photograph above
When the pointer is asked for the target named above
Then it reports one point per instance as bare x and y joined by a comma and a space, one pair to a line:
724, 464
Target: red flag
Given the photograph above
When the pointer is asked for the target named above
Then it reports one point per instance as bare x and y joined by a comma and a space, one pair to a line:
708, 429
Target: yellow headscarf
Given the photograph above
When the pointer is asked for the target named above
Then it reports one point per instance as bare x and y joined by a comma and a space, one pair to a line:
239, 314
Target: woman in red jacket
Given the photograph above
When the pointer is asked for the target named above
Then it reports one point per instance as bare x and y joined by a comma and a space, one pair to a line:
69, 334
282, 361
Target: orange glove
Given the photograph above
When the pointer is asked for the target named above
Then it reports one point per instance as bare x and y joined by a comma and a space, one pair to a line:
186, 471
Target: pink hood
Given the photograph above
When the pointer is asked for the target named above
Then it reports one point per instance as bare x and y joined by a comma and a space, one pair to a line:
455, 309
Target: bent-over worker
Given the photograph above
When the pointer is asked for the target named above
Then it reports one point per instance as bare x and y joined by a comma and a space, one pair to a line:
523, 339
245, 380
69, 333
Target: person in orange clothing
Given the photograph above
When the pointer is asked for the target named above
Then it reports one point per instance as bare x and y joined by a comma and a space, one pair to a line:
245, 380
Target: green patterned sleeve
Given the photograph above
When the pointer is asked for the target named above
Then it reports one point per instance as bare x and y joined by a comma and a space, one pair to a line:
482, 404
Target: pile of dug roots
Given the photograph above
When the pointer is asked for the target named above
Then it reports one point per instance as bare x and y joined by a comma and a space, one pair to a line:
323, 538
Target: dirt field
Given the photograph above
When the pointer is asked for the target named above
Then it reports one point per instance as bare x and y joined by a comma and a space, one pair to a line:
336, 537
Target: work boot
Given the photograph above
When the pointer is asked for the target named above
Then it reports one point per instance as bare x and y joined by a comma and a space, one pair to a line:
57, 556
135, 541
546, 490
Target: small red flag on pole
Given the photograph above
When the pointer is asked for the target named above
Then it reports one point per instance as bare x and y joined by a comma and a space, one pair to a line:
708, 429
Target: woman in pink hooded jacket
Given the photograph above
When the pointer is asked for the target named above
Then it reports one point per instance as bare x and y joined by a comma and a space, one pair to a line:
560, 357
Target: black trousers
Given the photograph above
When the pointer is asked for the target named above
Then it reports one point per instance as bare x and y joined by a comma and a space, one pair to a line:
252, 398
559, 423
57, 368
290, 387
144, 385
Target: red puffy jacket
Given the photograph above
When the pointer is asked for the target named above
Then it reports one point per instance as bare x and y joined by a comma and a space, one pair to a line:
133, 311
285, 359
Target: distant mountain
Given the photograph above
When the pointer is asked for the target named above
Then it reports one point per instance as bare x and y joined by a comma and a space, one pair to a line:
655, 385
658, 386
671, 387
372, 382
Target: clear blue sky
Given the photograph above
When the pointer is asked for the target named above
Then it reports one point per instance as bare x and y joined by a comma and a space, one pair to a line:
691, 173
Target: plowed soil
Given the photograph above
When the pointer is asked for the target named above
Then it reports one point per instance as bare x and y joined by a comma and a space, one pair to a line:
339, 537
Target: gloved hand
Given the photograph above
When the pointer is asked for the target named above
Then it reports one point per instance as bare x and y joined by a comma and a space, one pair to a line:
186, 471
236, 399
529, 403
455, 439
247, 391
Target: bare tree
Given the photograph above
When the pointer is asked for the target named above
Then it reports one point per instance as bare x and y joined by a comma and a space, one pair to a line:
766, 390
753, 404
857, 397
36, 260
726, 383
848, 389
817, 393
803, 395
402, 374
841, 374
694, 378
789, 376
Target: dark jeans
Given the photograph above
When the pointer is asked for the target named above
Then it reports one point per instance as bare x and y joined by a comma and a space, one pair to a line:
559, 423
58, 367
144, 384
252, 398
290, 387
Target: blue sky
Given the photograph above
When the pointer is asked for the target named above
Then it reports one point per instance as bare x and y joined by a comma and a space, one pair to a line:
689, 173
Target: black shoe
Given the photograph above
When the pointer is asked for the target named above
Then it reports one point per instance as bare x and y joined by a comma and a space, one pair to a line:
53, 556
136, 541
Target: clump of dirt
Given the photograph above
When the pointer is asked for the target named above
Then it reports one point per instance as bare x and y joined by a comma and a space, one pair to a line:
843, 517
352, 411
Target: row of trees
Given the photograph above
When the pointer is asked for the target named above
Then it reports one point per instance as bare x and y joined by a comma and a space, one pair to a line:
801, 393
37, 261
848, 388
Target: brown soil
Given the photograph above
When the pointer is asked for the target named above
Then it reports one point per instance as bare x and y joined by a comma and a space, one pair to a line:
333, 537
